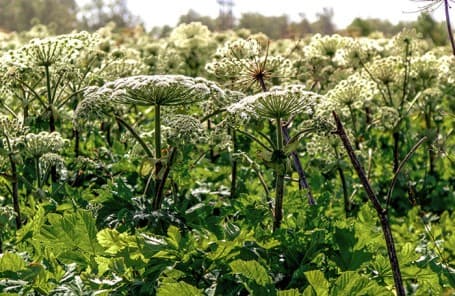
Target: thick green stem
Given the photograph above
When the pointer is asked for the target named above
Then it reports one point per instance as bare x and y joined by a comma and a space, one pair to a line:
347, 202
303, 183
396, 150
279, 186
50, 108
14, 185
158, 201
15, 192
49, 100
157, 132
233, 166
158, 164
77, 140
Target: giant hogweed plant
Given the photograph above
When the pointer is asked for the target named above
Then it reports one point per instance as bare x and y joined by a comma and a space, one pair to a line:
157, 91
247, 66
48, 62
276, 105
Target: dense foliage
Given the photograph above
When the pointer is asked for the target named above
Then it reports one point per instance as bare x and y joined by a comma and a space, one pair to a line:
209, 164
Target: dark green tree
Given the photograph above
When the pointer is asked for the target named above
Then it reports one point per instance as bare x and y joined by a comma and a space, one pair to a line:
193, 16
100, 12
431, 29
20, 15
273, 26
324, 24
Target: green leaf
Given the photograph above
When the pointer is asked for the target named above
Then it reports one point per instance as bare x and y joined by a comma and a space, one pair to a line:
71, 234
32, 227
251, 270
114, 241
318, 282
180, 289
292, 292
352, 283
174, 236
11, 262
147, 166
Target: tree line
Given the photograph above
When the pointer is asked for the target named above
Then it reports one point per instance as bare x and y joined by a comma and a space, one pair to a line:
63, 16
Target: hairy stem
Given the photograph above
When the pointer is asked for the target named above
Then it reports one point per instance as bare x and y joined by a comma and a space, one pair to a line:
158, 163
396, 150
77, 141
15, 192
233, 166
51, 115
279, 186
347, 202
159, 196
382, 213
303, 183
14, 184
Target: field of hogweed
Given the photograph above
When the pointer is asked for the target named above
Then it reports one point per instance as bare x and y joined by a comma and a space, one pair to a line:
226, 163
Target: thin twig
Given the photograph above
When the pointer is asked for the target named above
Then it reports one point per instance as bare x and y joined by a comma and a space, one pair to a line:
449, 26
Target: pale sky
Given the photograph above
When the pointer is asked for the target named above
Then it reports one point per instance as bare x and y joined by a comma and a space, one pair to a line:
167, 12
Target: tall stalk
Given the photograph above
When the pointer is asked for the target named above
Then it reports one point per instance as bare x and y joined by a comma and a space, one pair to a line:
280, 172
50, 108
157, 202
158, 164
396, 150
233, 166
14, 185
303, 184
347, 202
381, 211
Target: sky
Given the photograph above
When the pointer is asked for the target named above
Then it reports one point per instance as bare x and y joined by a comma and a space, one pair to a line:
167, 12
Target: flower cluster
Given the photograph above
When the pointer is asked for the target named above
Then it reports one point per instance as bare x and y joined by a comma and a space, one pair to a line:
425, 68
163, 90
59, 50
36, 145
11, 127
188, 36
95, 105
387, 70
278, 103
244, 63
182, 129
353, 92
326, 46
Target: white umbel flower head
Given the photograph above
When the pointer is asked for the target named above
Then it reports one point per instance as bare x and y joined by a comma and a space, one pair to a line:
278, 103
162, 90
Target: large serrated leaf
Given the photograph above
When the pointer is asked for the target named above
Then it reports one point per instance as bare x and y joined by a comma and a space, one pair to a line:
11, 262
71, 232
174, 236
318, 282
292, 292
251, 270
114, 241
180, 289
352, 283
